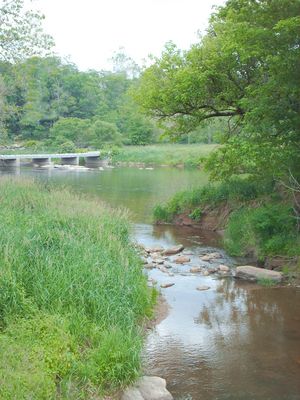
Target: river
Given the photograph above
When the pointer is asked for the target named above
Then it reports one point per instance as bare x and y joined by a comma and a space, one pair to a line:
234, 341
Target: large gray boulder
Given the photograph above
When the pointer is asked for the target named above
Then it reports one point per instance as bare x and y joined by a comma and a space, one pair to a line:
250, 273
148, 388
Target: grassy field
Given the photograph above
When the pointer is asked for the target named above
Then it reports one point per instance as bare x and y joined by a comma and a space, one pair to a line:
72, 295
165, 154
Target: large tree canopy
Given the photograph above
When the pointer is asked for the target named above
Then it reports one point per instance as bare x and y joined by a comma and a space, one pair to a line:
245, 69
21, 32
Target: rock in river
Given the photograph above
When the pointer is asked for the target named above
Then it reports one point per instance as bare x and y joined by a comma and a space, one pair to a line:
166, 285
211, 256
182, 260
223, 268
148, 388
194, 270
203, 287
173, 250
155, 249
254, 273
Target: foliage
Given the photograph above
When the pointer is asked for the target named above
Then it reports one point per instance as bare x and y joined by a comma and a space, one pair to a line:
73, 129
165, 154
234, 191
21, 32
245, 70
260, 224
266, 282
47, 98
70, 279
196, 214
102, 132
266, 230
35, 352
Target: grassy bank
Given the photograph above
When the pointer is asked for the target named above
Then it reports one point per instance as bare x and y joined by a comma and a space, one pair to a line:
72, 295
164, 154
257, 222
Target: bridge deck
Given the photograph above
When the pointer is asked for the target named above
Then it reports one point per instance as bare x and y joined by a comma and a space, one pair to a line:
46, 156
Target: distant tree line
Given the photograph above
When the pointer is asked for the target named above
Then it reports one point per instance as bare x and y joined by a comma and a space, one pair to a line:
51, 100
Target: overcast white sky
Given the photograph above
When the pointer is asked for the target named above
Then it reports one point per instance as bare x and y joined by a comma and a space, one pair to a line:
90, 31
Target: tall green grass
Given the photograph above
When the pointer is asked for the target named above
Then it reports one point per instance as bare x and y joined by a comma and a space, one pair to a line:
234, 191
164, 154
69, 270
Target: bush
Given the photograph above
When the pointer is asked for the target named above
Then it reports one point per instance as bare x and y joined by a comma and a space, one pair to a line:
266, 230
73, 130
67, 147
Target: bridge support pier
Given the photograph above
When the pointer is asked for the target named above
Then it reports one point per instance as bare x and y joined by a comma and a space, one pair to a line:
70, 161
41, 162
10, 162
93, 162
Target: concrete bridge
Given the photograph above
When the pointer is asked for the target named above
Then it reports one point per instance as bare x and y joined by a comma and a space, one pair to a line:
92, 159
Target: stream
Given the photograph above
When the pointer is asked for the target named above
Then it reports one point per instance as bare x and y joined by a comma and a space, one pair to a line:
235, 340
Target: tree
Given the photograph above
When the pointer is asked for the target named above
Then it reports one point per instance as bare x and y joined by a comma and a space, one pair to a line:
102, 132
75, 130
21, 32
123, 64
246, 70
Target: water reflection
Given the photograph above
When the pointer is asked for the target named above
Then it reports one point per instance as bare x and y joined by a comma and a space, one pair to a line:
242, 343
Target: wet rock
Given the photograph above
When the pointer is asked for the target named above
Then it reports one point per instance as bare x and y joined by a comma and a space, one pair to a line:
173, 250
250, 273
163, 269
153, 388
168, 265
194, 270
223, 274
202, 287
182, 260
166, 285
155, 249
132, 394
212, 270
223, 268
149, 266
205, 273
211, 256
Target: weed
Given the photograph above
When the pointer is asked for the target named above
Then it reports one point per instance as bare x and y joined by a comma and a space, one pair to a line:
266, 282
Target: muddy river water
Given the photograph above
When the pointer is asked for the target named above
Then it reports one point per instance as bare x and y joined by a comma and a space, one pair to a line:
234, 341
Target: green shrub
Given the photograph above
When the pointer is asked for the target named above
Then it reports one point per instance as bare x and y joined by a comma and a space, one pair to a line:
266, 230
67, 147
196, 214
